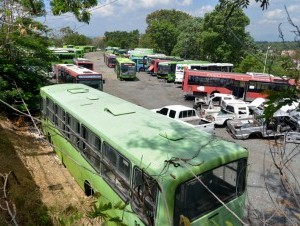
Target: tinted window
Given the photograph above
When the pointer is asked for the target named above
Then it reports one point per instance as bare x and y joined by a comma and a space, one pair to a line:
163, 111
230, 108
172, 114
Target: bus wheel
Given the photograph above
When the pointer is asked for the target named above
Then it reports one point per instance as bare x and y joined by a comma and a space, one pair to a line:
88, 190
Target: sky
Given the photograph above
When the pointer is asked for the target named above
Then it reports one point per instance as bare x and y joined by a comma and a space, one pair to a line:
128, 15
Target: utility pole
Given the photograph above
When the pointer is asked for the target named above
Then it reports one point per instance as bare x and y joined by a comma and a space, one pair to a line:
266, 58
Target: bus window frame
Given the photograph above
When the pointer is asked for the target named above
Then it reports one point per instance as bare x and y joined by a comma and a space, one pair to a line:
112, 175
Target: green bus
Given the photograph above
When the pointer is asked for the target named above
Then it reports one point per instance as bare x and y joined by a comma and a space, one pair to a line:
125, 69
171, 68
173, 71
162, 170
165, 68
63, 57
86, 49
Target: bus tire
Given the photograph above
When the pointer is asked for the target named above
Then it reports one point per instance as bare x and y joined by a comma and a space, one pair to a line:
88, 190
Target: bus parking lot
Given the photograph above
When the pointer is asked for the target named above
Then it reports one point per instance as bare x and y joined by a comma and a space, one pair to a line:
263, 183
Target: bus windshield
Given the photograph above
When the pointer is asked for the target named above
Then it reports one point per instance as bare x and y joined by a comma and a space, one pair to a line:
112, 60
193, 200
128, 69
164, 69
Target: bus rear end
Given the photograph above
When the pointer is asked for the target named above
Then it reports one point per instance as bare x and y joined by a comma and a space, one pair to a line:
93, 80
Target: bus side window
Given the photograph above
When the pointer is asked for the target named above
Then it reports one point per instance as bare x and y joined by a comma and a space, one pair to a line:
61, 118
68, 125
75, 131
50, 110
144, 196
90, 147
55, 114
43, 107
117, 171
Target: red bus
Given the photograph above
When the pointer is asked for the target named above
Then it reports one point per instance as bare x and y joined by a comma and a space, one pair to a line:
110, 59
83, 62
70, 73
246, 86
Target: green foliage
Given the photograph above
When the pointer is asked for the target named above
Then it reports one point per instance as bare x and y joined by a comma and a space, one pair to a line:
251, 63
36, 8
67, 36
187, 45
70, 216
164, 27
278, 46
280, 99
224, 40
78, 7
101, 211
122, 39
165, 36
24, 63
146, 42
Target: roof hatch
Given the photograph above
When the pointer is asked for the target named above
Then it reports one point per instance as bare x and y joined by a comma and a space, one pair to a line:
78, 90
120, 109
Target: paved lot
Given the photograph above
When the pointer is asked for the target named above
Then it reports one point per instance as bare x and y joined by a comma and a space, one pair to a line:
149, 92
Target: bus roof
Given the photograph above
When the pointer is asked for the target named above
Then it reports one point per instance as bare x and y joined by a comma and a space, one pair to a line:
124, 60
146, 138
82, 59
81, 70
168, 62
240, 76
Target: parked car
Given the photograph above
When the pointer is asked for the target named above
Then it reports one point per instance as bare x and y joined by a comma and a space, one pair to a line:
278, 125
188, 116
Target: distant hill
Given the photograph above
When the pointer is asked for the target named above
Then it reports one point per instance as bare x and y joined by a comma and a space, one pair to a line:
279, 46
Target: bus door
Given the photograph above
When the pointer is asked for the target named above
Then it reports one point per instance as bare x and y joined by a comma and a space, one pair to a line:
238, 89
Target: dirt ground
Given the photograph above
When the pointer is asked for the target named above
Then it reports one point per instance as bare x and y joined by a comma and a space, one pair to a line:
39, 173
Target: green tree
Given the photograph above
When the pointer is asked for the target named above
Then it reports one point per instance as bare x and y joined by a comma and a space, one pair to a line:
250, 63
187, 45
163, 28
78, 7
24, 62
66, 36
225, 40
145, 41
122, 39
